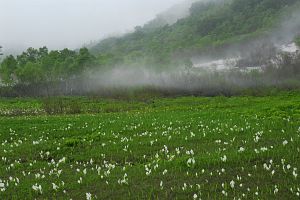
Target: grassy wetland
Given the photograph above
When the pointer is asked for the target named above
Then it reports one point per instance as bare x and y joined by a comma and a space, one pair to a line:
240, 147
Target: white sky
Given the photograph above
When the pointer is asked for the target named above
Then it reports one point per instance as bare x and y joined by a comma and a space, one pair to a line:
71, 23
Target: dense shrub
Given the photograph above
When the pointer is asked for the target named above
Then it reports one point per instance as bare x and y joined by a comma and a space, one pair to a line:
58, 105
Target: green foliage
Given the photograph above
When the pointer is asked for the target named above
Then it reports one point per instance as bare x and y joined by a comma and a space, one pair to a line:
72, 142
39, 66
8, 67
31, 73
297, 41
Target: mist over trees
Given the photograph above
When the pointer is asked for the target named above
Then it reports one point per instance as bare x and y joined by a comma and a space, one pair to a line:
39, 72
158, 55
210, 26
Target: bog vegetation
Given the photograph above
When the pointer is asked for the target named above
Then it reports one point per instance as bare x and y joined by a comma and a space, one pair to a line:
186, 148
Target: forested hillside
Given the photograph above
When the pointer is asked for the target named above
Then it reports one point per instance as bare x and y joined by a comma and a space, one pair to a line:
212, 24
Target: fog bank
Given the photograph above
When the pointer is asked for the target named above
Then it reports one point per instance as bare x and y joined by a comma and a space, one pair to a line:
59, 24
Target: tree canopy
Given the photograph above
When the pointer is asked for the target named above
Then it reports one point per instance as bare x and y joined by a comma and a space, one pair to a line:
36, 66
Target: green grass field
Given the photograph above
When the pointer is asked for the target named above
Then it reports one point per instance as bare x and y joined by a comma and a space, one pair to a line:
164, 148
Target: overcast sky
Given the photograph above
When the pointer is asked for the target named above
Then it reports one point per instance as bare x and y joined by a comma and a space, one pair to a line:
71, 23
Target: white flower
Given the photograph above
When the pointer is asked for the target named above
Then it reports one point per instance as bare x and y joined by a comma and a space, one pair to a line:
63, 160
37, 188
232, 183
242, 149
2, 185
165, 171
80, 180
285, 142
161, 185
54, 186
224, 158
195, 196
273, 172
88, 196
276, 190
224, 193
124, 180
191, 161
295, 174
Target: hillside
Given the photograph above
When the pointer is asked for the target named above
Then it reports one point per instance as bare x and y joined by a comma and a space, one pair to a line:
208, 25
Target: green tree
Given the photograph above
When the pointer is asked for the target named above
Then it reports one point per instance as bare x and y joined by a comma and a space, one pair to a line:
7, 70
84, 60
297, 41
31, 73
